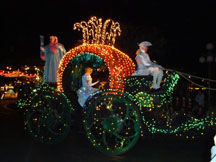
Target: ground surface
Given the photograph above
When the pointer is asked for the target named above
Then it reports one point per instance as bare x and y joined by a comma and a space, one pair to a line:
17, 146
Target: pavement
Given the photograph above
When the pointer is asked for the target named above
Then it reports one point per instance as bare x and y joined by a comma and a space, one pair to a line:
17, 146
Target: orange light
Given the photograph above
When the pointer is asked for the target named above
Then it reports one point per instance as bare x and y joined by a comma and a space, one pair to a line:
119, 64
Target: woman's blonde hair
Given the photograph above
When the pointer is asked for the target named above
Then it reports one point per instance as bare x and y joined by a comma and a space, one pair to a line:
87, 69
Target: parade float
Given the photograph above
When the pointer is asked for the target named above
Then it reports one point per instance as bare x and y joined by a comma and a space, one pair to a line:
123, 109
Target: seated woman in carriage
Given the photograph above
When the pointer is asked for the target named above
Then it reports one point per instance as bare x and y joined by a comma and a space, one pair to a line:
146, 67
87, 86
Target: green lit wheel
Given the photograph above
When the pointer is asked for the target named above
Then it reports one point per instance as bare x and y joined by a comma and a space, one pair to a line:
48, 116
112, 123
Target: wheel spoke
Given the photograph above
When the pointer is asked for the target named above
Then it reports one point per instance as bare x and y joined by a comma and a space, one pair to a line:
112, 123
48, 116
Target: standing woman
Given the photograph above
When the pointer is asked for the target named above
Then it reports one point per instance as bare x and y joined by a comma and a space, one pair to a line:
52, 54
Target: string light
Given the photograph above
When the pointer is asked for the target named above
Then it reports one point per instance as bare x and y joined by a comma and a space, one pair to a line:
113, 118
146, 98
17, 73
191, 128
112, 122
112, 57
47, 114
95, 32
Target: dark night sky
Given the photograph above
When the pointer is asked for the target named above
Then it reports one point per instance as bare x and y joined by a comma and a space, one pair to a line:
186, 26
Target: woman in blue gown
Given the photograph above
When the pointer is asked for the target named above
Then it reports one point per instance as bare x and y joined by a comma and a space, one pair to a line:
86, 90
52, 54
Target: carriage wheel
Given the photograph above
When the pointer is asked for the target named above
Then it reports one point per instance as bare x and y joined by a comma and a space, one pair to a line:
48, 116
112, 123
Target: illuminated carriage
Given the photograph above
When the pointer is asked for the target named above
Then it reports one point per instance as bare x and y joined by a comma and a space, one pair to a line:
114, 117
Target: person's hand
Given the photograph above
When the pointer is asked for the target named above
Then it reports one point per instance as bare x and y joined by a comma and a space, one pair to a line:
159, 66
42, 48
215, 139
60, 47
154, 62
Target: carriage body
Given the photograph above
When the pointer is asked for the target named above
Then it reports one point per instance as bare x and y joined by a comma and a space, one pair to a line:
113, 117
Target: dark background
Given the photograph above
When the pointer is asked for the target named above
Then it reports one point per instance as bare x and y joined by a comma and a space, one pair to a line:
178, 30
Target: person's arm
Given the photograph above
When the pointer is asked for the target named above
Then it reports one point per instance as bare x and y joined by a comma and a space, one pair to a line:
152, 63
42, 53
142, 60
89, 81
95, 83
149, 60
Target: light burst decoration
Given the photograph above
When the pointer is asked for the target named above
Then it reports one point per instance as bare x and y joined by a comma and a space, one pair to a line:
96, 32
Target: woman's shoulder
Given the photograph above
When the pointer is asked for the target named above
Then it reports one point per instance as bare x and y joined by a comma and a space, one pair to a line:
59, 44
86, 75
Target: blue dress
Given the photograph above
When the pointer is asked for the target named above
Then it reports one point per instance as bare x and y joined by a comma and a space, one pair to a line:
86, 90
52, 61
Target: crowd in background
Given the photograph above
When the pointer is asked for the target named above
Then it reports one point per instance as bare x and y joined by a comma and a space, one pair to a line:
192, 103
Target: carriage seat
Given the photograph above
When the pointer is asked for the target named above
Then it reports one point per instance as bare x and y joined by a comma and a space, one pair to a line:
140, 83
